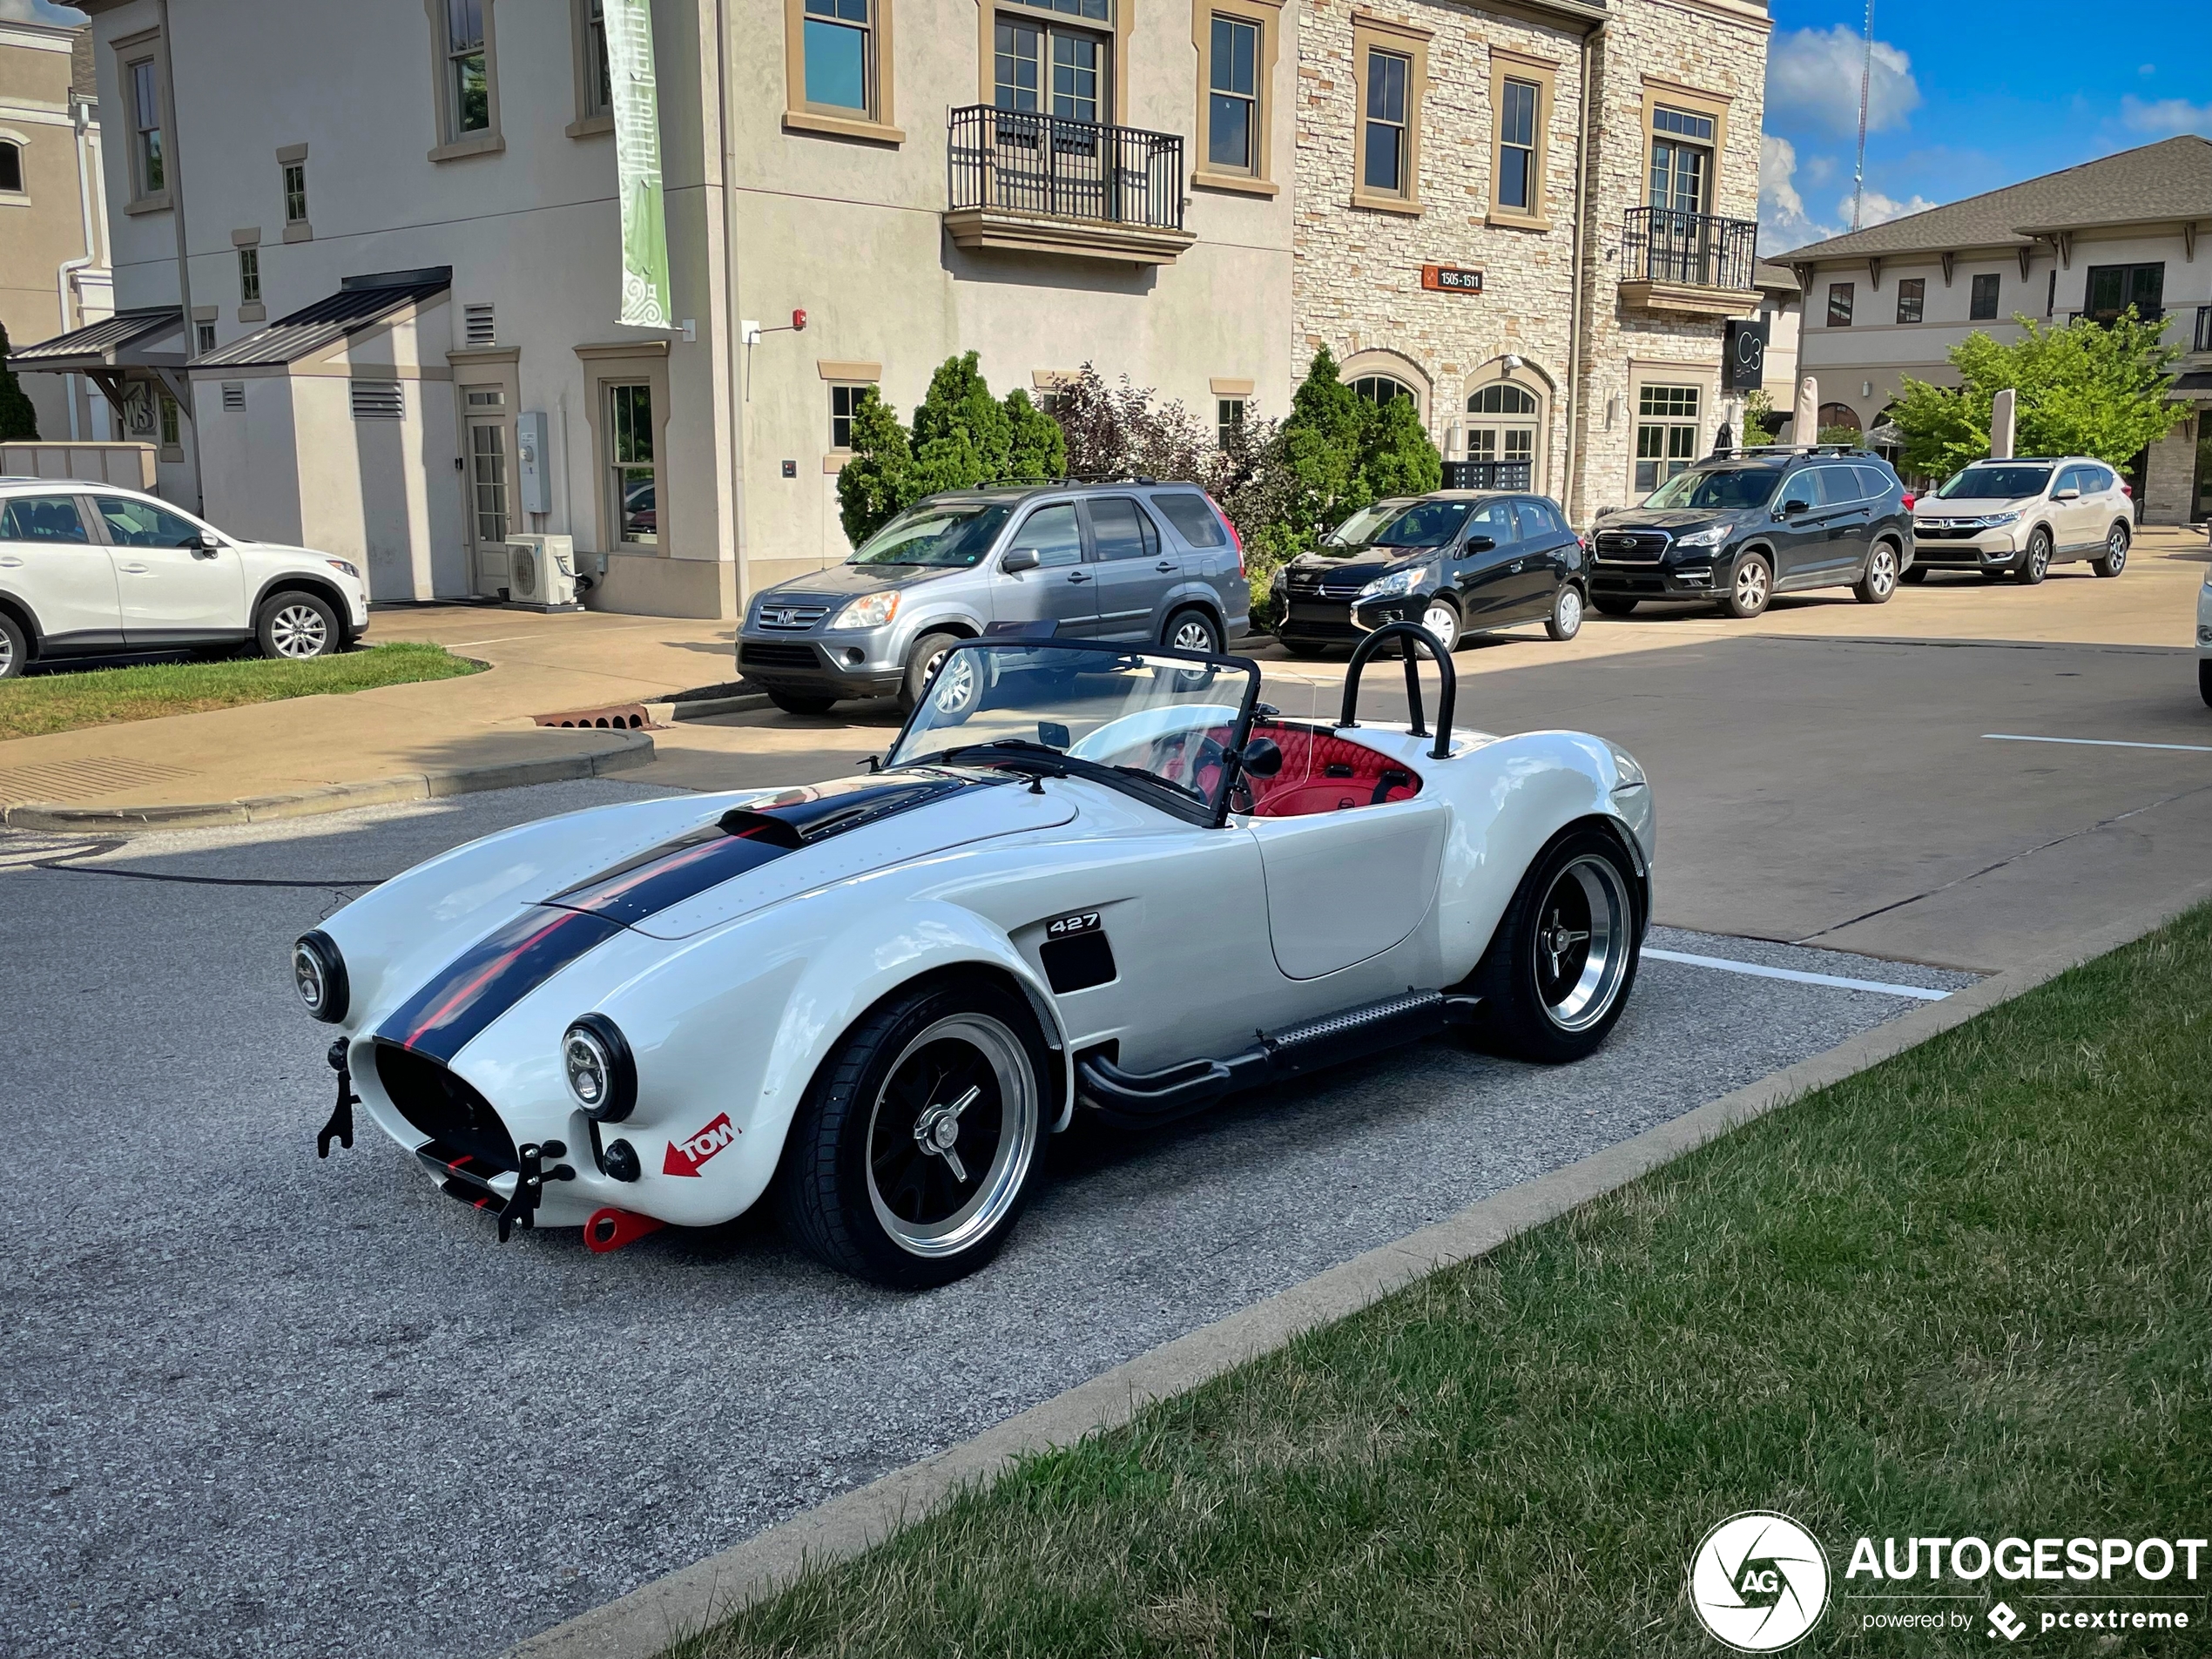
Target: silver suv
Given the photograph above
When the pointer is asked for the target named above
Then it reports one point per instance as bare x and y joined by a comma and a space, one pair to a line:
2022, 515
1141, 561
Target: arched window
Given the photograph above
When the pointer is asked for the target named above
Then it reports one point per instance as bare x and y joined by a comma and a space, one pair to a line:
10, 166
1380, 388
1501, 399
1838, 414
1502, 424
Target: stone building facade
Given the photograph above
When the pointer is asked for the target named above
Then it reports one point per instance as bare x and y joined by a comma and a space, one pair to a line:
1598, 166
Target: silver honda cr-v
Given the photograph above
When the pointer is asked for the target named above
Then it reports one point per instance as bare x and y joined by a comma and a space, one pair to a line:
1145, 561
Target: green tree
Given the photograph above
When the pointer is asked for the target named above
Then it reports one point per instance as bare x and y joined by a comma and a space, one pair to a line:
2090, 388
1035, 450
879, 481
1321, 444
1760, 423
1396, 456
18, 420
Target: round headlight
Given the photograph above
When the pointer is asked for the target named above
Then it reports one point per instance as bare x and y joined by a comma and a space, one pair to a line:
601, 1075
319, 973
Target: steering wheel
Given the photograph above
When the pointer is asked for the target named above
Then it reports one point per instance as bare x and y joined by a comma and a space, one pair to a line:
1165, 756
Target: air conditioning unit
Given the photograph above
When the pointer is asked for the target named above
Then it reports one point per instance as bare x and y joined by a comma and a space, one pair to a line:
541, 573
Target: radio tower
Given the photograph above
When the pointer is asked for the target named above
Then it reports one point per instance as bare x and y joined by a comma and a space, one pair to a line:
1865, 81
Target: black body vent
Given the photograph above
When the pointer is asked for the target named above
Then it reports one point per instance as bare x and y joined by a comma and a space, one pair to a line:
444, 1107
1077, 962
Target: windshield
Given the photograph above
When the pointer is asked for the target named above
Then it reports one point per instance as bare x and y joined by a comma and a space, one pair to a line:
1390, 524
952, 536
1995, 483
1154, 724
1723, 489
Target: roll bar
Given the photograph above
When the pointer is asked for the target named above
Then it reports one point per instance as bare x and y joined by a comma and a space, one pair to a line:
1447, 692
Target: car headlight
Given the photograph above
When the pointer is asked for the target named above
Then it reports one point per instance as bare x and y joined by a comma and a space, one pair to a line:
600, 1071
1996, 521
319, 973
346, 566
1384, 587
1711, 536
872, 611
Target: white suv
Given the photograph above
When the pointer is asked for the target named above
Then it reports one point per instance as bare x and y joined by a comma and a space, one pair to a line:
2021, 517
87, 570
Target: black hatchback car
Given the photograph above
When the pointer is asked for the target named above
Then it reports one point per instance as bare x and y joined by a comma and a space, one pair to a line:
1743, 525
1457, 561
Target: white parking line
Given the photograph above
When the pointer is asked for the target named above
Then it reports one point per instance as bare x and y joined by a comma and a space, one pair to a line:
1760, 971
2101, 742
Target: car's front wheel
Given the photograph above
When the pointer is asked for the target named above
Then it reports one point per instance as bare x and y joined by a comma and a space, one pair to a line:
957, 695
2115, 559
1918, 573
1751, 587
15, 647
912, 1155
297, 626
1441, 618
2034, 563
1560, 968
1879, 580
1566, 619
802, 702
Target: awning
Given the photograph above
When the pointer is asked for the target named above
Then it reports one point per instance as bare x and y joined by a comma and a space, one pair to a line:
124, 340
359, 304
2195, 385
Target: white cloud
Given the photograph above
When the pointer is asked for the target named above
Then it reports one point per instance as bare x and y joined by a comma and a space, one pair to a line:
2165, 118
1784, 222
39, 11
1878, 209
1813, 78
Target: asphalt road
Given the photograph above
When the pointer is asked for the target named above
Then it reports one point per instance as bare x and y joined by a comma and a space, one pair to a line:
259, 1404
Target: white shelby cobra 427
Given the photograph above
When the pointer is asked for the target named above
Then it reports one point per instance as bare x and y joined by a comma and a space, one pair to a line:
1085, 877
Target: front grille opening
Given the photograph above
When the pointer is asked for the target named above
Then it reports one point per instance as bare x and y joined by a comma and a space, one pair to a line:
444, 1107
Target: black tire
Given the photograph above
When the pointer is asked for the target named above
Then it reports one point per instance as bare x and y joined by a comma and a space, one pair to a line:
1751, 587
2035, 562
15, 647
1917, 575
1305, 647
1566, 619
1529, 987
926, 1040
921, 662
2115, 559
298, 626
802, 702
1612, 604
1191, 629
1879, 581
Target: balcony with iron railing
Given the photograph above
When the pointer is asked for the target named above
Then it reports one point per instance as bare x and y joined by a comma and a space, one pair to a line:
1023, 182
1696, 264
1489, 475
2142, 314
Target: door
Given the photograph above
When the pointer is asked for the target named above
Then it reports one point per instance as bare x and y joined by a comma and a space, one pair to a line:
1133, 572
487, 483
49, 560
2078, 523
1847, 514
1048, 70
1346, 886
1062, 588
170, 588
1800, 538
1537, 566
1483, 575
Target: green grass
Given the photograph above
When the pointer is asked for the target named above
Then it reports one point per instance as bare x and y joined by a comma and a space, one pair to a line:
62, 701
1964, 1294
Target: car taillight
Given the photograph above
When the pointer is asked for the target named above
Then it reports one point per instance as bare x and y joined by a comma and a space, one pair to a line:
1908, 501
1236, 541
2127, 490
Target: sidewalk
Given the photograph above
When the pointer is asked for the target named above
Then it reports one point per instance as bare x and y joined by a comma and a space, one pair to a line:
397, 743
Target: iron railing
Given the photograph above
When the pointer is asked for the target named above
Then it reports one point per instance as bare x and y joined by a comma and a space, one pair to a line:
1489, 475
1026, 163
1665, 245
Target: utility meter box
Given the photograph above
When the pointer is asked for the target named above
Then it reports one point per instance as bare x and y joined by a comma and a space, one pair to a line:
534, 461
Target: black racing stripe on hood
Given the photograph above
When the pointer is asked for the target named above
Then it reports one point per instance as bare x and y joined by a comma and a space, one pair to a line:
463, 999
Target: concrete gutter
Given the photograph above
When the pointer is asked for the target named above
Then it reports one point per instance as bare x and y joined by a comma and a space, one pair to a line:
631, 749
644, 1622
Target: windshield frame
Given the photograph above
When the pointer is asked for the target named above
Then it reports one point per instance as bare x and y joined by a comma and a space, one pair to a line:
968, 512
1045, 762
1945, 491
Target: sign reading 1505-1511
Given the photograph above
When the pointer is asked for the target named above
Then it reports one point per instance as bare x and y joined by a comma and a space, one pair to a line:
1450, 279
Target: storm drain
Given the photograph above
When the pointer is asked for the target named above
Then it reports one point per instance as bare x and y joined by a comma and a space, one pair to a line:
84, 780
619, 717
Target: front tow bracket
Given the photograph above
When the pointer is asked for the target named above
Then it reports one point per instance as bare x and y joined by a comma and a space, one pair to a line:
341, 1126
530, 1185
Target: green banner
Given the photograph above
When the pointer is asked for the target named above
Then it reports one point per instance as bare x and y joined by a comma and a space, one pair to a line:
646, 302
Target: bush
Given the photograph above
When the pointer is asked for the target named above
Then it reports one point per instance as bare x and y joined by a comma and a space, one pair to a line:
18, 420
962, 436
1760, 422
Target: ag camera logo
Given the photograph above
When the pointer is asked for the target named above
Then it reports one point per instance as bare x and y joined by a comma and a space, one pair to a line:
1758, 1582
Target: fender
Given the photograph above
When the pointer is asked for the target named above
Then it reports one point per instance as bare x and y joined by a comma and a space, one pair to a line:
1192, 591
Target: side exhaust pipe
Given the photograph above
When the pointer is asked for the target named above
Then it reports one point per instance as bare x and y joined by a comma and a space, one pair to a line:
611, 1229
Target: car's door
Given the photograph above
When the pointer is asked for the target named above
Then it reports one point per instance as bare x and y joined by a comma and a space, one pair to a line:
171, 587
1848, 515
1132, 569
1800, 538
51, 560
1483, 564
1538, 561
1346, 886
2076, 520
1059, 588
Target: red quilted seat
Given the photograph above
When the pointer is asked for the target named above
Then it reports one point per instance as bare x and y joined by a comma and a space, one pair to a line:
1324, 772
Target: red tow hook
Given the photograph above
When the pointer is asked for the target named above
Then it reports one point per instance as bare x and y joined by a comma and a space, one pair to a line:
611, 1229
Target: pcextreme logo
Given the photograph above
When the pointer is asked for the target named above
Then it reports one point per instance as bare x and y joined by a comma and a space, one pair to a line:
1758, 1582
687, 1156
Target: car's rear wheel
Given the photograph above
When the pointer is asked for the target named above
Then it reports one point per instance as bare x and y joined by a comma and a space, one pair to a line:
957, 696
1879, 579
1561, 966
15, 647
802, 702
1918, 573
297, 626
1441, 618
1566, 619
1191, 629
2034, 563
1303, 648
1750, 589
2115, 554
1612, 604
913, 1153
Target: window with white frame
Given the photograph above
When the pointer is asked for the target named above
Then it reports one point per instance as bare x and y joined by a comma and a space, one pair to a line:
295, 192
838, 43
844, 404
1666, 432
203, 338
1517, 183
468, 70
635, 501
1383, 167
1229, 420
249, 276
598, 78
1233, 108
148, 154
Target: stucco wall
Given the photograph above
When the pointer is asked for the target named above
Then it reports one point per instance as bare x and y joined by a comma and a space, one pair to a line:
42, 226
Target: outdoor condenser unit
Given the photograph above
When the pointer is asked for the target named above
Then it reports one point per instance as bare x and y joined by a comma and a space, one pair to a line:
540, 572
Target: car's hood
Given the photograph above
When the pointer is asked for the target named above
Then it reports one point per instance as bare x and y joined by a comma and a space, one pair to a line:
1662, 518
1968, 506
849, 581
1363, 566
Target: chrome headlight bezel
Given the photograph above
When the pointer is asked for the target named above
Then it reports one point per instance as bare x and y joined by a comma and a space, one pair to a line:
1996, 521
594, 1046
318, 974
1711, 536
869, 611
1391, 586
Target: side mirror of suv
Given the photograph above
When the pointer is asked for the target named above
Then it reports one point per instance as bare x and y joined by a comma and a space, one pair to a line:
2068, 494
206, 545
1481, 543
1792, 508
1019, 559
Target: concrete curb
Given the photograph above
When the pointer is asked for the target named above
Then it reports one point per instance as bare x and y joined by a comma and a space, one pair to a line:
647, 1620
635, 749
702, 708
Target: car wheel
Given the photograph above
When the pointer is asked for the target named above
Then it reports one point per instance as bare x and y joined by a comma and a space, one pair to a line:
1917, 575
1559, 969
922, 661
2035, 564
1612, 604
802, 702
1305, 647
1566, 619
297, 626
1441, 618
1752, 587
912, 1155
15, 647
1191, 631
1879, 582
2115, 554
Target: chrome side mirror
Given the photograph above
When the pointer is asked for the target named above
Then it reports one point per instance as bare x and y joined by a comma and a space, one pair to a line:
1019, 559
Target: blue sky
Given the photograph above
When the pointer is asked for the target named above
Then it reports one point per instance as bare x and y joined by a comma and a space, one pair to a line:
1967, 95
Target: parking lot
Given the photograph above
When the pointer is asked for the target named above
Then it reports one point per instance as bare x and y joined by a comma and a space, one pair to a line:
258, 1404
